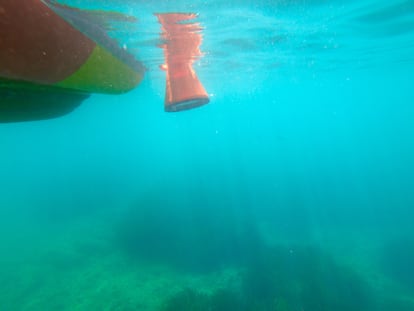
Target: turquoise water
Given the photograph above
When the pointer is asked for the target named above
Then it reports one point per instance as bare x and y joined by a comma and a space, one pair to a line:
292, 190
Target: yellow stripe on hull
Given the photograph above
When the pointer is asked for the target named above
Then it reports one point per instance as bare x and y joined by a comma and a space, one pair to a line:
102, 73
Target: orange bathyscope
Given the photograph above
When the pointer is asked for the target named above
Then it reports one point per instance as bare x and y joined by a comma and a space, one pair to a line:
181, 42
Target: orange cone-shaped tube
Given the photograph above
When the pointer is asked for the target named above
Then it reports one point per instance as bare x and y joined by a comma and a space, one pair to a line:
181, 47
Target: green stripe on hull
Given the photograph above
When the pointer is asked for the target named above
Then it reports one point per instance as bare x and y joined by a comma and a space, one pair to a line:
23, 101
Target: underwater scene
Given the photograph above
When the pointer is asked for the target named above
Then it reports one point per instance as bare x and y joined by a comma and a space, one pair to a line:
289, 188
